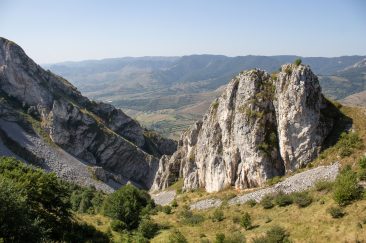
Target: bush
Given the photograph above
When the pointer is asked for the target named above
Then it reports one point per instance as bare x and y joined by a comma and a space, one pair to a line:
187, 217
177, 237
128, 204
220, 238
346, 188
251, 202
118, 225
297, 62
335, 212
323, 185
167, 209
276, 234
148, 228
246, 221
362, 162
218, 215
302, 199
283, 200
266, 202
174, 203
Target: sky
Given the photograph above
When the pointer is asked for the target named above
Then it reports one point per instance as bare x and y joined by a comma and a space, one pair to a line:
72, 30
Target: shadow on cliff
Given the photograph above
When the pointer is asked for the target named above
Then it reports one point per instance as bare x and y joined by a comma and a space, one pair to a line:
342, 123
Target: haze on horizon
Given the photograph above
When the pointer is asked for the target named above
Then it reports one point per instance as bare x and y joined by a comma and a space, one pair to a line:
51, 31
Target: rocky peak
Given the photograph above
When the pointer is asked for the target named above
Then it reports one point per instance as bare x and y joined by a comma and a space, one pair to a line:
97, 133
261, 126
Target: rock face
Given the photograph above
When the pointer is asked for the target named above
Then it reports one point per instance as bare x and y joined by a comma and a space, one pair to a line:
96, 133
262, 126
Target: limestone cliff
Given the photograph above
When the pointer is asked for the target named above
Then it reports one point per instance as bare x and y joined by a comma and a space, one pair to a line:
95, 133
262, 126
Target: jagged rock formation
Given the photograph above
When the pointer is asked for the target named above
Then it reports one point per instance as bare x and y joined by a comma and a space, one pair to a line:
97, 134
262, 126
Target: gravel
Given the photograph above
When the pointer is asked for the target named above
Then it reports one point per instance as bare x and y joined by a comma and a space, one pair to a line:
296, 183
164, 198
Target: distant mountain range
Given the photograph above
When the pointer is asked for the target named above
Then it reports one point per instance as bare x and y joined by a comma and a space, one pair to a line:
169, 93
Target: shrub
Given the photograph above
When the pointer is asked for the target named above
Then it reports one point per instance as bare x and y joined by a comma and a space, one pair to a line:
118, 225
276, 234
323, 185
362, 162
167, 209
128, 205
251, 202
174, 203
266, 202
246, 221
302, 199
297, 62
346, 188
148, 228
218, 215
220, 238
288, 70
177, 237
283, 200
335, 212
188, 217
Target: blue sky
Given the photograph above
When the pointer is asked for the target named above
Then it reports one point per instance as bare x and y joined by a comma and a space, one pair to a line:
54, 31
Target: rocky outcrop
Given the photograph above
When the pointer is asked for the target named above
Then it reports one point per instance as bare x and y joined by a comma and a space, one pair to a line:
96, 133
262, 126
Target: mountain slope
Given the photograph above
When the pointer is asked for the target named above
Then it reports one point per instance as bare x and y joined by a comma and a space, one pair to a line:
102, 140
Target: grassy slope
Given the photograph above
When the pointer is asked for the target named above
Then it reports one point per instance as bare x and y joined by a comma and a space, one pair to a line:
311, 224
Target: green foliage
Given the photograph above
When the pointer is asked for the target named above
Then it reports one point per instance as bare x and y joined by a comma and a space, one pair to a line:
118, 225
267, 202
302, 199
215, 104
167, 209
188, 217
177, 237
86, 200
348, 142
251, 202
288, 70
36, 207
246, 221
218, 215
335, 212
323, 185
128, 204
148, 228
362, 162
220, 238
174, 203
298, 62
282, 199
276, 234
346, 188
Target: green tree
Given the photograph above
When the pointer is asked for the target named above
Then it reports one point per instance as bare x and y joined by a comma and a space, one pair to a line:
127, 204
